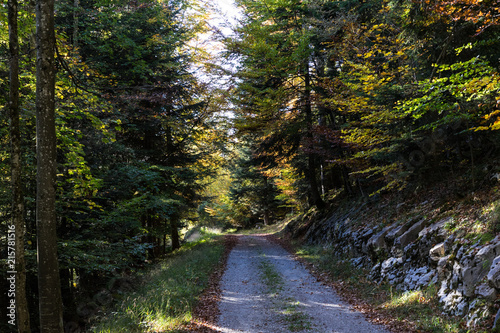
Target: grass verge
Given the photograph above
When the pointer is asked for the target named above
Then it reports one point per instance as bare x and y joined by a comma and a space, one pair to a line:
165, 299
414, 311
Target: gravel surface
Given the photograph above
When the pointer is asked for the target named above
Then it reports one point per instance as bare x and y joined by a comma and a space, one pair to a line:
265, 290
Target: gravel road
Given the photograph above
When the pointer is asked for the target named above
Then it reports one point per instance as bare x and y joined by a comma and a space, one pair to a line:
265, 290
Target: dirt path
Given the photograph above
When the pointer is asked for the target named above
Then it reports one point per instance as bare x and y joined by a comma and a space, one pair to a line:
265, 290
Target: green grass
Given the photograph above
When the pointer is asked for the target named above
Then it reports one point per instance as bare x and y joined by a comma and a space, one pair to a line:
295, 318
271, 277
420, 308
287, 307
168, 293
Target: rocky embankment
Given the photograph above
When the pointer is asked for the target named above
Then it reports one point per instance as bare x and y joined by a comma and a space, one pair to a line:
414, 254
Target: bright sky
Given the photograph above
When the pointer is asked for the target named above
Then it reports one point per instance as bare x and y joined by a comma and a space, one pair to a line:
229, 9
224, 16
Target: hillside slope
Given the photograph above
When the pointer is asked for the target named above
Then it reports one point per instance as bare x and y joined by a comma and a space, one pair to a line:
442, 236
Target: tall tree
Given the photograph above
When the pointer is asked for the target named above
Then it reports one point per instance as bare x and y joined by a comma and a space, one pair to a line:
152, 95
23, 317
49, 286
253, 193
275, 92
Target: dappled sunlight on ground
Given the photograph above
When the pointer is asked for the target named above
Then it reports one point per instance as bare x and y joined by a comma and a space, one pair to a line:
265, 290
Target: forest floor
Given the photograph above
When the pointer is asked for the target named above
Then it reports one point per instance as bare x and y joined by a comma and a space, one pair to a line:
252, 283
263, 289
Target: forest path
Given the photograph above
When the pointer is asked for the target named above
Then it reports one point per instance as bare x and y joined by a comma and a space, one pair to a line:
265, 290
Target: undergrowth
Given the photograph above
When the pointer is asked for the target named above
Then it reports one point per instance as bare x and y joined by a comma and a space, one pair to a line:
168, 293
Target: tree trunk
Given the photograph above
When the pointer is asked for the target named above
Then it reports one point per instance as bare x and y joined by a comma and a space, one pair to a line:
23, 317
49, 285
346, 179
315, 196
174, 219
266, 215
267, 219
76, 10
174, 232
66, 290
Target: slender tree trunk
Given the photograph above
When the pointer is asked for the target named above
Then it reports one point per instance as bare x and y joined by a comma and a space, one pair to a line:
267, 219
76, 9
174, 220
346, 179
322, 178
174, 232
164, 244
49, 285
315, 198
266, 214
323, 114
23, 316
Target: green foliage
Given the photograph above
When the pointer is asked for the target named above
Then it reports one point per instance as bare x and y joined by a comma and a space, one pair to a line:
167, 295
94, 255
329, 98
134, 134
465, 92
276, 89
358, 88
253, 194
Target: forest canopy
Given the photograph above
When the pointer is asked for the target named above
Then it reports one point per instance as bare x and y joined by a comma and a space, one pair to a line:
325, 100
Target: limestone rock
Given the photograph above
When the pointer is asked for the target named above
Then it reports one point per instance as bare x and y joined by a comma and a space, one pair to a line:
479, 267
443, 261
443, 289
375, 272
417, 278
390, 264
397, 230
437, 252
377, 241
478, 313
441, 267
410, 235
486, 292
389, 270
436, 230
456, 274
496, 324
454, 303
494, 273
358, 262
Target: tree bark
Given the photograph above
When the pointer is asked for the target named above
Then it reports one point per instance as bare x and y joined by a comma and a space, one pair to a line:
174, 219
49, 285
22, 312
315, 196
267, 219
76, 10
174, 232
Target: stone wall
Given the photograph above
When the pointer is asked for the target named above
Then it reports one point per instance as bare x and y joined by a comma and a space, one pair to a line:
416, 253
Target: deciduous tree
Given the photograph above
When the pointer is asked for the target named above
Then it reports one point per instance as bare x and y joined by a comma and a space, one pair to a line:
23, 317
49, 286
